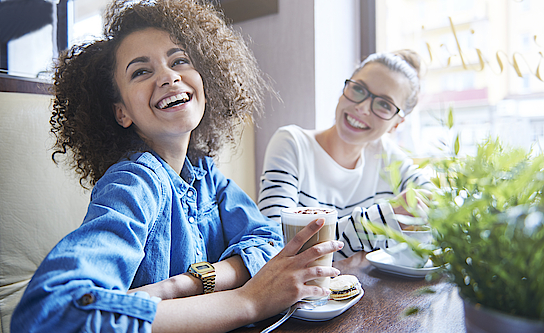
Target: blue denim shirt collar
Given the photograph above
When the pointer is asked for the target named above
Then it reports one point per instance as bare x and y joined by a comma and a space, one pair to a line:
189, 173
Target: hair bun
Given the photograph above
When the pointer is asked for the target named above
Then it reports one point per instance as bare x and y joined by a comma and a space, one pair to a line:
412, 58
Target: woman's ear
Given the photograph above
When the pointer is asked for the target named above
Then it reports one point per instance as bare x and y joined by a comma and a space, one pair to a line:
120, 115
397, 123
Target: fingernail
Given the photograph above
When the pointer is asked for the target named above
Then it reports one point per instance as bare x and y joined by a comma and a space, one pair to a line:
320, 222
339, 244
336, 271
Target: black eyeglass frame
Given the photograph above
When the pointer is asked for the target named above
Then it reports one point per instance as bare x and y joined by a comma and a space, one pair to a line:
400, 112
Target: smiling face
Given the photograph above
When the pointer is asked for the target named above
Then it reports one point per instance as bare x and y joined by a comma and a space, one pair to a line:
355, 122
162, 95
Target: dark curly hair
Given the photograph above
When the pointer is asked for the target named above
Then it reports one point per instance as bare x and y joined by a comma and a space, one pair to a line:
84, 89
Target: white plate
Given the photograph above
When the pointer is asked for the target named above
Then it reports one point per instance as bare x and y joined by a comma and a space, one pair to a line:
384, 262
327, 311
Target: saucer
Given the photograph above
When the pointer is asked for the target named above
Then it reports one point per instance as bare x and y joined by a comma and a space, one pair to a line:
384, 262
328, 311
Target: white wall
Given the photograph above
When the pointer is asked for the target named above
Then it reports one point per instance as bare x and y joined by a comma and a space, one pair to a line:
309, 48
337, 40
283, 44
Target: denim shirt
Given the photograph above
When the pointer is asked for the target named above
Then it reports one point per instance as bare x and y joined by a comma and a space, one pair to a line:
144, 224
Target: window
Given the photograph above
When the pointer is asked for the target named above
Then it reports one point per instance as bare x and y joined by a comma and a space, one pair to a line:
29, 49
460, 43
59, 24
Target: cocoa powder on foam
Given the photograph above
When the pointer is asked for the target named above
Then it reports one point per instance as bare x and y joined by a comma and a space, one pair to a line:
310, 211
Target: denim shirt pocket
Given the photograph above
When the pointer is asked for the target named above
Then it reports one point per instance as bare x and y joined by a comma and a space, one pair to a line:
211, 227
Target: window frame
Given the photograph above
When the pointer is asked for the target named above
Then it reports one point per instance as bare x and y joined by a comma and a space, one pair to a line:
10, 83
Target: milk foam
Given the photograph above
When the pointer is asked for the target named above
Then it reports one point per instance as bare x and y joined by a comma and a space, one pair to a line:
293, 216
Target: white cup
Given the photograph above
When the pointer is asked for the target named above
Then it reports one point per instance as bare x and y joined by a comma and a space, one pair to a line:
422, 236
295, 219
403, 255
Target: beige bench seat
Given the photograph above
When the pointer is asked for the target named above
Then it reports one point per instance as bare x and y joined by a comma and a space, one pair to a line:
40, 202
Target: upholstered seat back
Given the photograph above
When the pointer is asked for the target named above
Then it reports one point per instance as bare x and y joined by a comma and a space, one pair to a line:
40, 202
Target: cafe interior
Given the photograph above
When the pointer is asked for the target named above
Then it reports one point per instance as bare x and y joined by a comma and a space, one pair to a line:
482, 80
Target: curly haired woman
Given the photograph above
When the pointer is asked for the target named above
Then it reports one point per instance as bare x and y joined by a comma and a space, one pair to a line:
138, 115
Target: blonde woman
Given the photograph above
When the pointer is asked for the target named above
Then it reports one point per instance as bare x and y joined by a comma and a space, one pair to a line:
345, 166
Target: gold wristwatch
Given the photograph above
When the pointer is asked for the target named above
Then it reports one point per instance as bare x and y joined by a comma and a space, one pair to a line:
206, 273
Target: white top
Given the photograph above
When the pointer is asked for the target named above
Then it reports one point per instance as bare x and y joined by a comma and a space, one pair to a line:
297, 171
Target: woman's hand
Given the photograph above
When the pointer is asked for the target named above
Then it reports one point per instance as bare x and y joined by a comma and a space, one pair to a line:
278, 285
423, 198
281, 282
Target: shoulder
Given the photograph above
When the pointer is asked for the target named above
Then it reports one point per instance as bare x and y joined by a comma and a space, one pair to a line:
139, 169
294, 132
293, 135
300, 132
205, 166
205, 169
138, 183
391, 149
140, 160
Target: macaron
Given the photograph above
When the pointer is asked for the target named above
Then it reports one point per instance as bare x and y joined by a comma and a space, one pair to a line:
344, 287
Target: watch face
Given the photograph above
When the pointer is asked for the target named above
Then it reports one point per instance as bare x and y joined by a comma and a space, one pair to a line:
206, 273
203, 267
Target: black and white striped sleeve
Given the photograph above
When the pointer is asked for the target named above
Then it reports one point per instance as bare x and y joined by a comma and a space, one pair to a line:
279, 180
410, 173
357, 238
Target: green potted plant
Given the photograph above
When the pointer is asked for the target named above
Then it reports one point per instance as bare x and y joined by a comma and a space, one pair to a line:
487, 215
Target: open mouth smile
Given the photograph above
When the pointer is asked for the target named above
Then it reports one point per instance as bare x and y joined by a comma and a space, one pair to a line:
355, 123
172, 101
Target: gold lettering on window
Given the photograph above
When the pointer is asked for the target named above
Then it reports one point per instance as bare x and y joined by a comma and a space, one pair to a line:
502, 58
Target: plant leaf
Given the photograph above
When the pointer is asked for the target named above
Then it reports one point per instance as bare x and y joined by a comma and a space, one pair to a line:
411, 198
412, 310
456, 146
394, 174
424, 291
450, 117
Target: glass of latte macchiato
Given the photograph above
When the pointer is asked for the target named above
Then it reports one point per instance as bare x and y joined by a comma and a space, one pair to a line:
295, 219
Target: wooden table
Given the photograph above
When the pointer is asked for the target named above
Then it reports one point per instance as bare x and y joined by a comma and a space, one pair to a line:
383, 304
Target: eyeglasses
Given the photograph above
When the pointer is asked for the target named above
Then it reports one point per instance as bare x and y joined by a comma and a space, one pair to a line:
382, 108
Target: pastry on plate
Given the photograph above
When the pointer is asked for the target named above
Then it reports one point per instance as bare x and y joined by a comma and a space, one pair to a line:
344, 287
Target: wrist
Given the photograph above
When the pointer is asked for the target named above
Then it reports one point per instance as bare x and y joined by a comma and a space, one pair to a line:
165, 289
188, 285
205, 272
254, 307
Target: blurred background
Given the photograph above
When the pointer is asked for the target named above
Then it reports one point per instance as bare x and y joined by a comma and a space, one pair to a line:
482, 59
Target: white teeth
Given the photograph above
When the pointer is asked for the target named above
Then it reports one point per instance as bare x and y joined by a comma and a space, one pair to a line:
182, 98
355, 123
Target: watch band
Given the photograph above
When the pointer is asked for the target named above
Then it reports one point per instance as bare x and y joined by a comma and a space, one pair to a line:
206, 273
209, 284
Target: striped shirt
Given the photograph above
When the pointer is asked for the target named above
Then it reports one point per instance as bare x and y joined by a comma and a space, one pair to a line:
297, 171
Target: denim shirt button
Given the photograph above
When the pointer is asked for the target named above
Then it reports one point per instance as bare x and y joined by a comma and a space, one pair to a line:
190, 193
86, 299
271, 243
191, 219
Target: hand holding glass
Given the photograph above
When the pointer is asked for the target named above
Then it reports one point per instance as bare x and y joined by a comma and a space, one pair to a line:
295, 219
